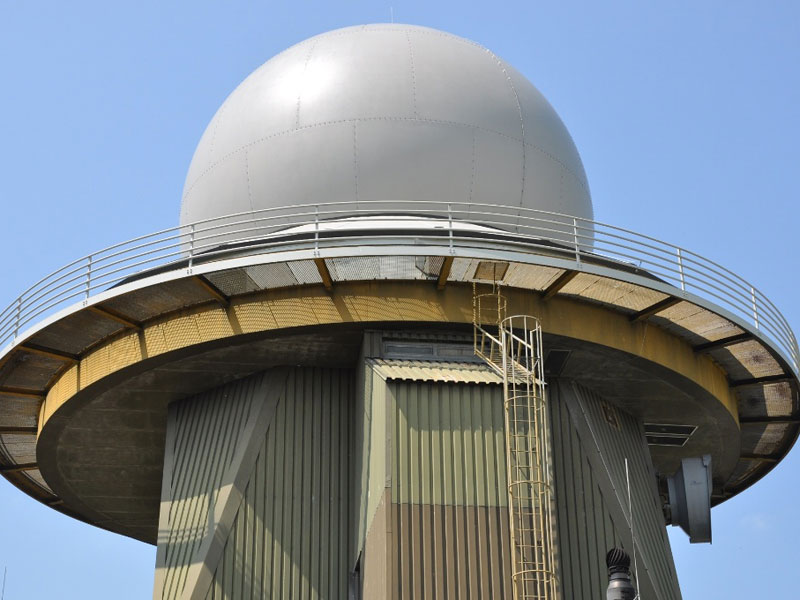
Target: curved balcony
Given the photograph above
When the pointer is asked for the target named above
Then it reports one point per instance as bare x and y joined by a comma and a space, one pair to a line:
333, 228
63, 318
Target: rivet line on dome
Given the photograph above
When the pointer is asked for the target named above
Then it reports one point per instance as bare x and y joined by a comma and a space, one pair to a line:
370, 119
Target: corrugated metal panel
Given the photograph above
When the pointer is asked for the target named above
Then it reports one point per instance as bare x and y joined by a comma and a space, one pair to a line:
448, 445
585, 529
448, 535
450, 552
289, 538
207, 430
592, 439
370, 456
449, 503
443, 372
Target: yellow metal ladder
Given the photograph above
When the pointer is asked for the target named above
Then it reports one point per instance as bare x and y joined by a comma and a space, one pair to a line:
512, 347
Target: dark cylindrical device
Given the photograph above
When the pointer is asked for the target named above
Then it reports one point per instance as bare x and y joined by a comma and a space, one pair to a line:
619, 575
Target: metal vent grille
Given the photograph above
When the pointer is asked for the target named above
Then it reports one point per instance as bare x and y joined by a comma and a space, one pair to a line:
668, 434
669, 429
666, 440
429, 351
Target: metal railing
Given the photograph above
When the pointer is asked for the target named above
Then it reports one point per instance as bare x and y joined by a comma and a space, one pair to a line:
327, 225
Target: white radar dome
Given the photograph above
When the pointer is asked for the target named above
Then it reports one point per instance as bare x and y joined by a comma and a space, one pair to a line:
390, 113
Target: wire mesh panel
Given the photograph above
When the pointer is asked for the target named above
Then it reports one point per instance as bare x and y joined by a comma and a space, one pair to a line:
512, 346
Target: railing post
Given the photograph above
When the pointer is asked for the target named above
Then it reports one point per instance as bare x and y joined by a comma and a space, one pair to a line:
191, 245
794, 349
680, 269
88, 275
316, 230
19, 316
575, 236
755, 306
450, 226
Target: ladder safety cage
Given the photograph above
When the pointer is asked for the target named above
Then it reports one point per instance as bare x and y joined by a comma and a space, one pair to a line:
512, 347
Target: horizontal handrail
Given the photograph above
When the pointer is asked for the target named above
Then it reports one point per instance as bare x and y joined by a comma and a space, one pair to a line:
458, 225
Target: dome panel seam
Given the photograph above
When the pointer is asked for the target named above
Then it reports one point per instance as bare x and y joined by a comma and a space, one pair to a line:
355, 158
413, 74
372, 119
498, 61
472, 174
247, 173
300, 91
221, 113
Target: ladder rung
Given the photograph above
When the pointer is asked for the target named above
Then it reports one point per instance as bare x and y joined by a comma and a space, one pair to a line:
515, 355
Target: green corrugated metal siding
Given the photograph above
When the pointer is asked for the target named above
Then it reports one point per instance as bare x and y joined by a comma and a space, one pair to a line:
649, 525
448, 445
591, 495
585, 529
331, 452
450, 552
449, 501
207, 428
439, 371
370, 456
290, 535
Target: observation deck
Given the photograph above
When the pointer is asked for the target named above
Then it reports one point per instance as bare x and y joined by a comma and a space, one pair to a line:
93, 352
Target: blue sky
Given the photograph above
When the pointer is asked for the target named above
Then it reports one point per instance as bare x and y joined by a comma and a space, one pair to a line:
685, 114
